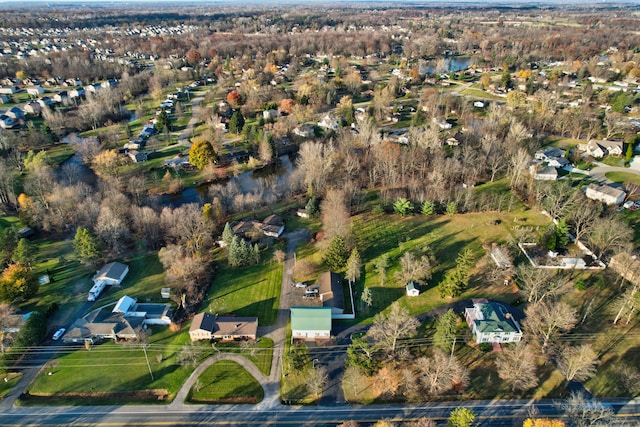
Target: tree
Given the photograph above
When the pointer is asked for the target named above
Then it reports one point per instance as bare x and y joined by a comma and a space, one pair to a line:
547, 318
388, 329
86, 246
583, 218
354, 266
461, 417
227, 234
236, 122
403, 207
440, 373
17, 283
381, 265
517, 367
452, 208
193, 57
586, 412
362, 354
445, 335
311, 208
234, 98
610, 235
317, 380
7, 320
455, 281
428, 208
8, 241
336, 255
414, 268
629, 153
162, 121
577, 363
537, 284
387, 381
543, 422
562, 233
558, 198
367, 298
24, 253
335, 215
202, 153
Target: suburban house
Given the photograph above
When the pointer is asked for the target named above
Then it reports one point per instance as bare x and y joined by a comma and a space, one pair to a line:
543, 173
207, 326
331, 291
138, 156
329, 122
304, 131
412, 289
33, 108
310, 323
35, 91
122, 322
552, 156
272, 226
15, 113
606, 194
491, 322
601, 148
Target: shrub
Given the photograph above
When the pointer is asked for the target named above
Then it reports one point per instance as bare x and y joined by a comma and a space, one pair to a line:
485, 347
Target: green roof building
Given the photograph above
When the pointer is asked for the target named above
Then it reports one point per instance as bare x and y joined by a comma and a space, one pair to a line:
310, 323
491, 322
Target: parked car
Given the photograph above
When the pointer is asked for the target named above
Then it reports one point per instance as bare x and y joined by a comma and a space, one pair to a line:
311, 291
58, 334
301, 285
627, 205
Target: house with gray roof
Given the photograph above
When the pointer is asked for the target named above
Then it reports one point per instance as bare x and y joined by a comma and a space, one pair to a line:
605, 193
492, 323
331, 292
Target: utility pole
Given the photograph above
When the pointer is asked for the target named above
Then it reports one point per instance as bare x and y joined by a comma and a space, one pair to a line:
144, 348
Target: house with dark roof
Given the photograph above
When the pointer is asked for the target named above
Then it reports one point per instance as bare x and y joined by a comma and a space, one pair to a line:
206, 326
491, 322
310, 323
271, 226
331, 292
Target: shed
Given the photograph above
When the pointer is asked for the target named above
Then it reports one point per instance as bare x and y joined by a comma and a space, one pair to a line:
310, 323
412, 289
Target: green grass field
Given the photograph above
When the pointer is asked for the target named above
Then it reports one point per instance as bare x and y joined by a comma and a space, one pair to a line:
623, 177
246, 291
226, 382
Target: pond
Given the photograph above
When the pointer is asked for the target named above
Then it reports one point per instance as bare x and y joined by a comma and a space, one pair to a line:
450, 64
74, 170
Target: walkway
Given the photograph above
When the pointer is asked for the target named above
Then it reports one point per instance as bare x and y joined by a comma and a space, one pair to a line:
187, 132
277, 332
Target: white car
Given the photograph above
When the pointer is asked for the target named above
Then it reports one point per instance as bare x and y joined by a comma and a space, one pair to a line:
58, 334
301, 285
628, 204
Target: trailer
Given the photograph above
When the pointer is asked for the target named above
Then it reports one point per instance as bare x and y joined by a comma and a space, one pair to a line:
96, 290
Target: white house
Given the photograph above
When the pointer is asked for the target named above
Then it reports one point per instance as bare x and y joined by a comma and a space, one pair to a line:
492, 323
304, 131
605, 194
329, 122
112, 273
601, 148
411, 288
310, 323
35, 91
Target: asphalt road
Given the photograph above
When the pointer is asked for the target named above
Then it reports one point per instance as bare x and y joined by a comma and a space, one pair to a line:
489, 413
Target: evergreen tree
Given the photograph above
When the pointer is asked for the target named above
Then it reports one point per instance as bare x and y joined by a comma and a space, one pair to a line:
8, 241
452, 208
234, 256
336, 255
455, 281
162, 121
256, 254
428, 208
236, 122
227, 234
86, 246
629, 153
367, 298
24, 253
446, 331
402, 207
311, 208
562, 233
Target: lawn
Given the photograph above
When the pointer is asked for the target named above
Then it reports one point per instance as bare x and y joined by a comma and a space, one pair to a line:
246, 291
8, 382
623, 177
9, 221
296, 369
445, 237
113, 373
260, 353
226, 382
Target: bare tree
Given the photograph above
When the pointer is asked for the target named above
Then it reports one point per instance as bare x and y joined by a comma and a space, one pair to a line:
585, 412
583, 218
628, 302
440, 372
517, 366
316, 163
577, 363
317, 380
7, 321
610, 235
538, 283
387, 381
547, 318
335, 215
414, 268
388, 329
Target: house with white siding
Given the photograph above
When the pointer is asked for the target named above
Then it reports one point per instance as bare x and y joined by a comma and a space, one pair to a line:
492, 323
